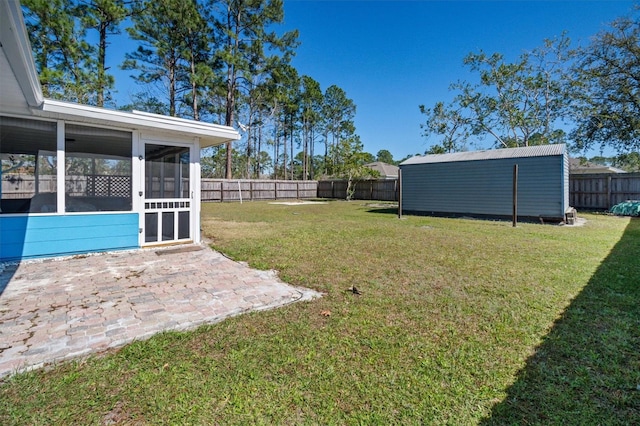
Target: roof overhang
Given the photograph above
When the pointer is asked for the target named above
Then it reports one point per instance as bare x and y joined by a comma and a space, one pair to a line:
208, 134
16, 46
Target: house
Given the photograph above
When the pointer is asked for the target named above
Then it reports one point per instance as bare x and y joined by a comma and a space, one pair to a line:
480, 183
386, 171
578, 166
79, 179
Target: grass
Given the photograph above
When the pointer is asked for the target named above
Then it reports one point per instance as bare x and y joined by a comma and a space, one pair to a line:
459, 322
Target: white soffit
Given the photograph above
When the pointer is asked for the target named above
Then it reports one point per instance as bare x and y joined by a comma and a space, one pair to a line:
209, 134
11, 97
16, 47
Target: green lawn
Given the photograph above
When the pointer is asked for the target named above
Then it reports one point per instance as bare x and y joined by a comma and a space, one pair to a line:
459, 322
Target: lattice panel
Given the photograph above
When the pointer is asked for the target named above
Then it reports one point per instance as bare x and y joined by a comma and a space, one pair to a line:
109, 186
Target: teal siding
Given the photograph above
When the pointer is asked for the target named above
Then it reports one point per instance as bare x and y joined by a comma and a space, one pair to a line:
24, 237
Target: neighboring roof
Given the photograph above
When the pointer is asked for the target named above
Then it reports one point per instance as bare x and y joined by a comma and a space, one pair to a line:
20, 92
493, 154
579, 166
385, 169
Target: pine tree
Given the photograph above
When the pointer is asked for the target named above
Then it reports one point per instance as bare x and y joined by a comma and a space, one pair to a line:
166, 53
64, 59
243, 37
104, 16
338, 114
310, 104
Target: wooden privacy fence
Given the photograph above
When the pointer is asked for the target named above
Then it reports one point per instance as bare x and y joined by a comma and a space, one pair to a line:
603, 191
589, 191
15, 185
372, 189
256, 189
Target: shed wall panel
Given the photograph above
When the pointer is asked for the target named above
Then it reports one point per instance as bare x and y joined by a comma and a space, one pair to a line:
485, 187
25, 237
565, 182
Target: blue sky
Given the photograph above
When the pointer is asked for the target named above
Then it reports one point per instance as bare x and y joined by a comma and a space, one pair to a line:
392, 56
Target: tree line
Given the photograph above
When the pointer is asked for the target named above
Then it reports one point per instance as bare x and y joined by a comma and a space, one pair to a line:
221, 61
587, 96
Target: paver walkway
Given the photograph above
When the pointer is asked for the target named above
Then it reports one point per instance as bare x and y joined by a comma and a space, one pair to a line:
59, 309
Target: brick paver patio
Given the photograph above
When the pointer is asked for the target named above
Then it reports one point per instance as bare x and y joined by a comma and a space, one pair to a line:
59, 309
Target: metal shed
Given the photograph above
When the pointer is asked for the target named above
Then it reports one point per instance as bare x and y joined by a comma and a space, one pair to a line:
480, 183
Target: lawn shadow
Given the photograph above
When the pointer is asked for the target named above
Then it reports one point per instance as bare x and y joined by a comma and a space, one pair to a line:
381, 207
393, 211
587, 369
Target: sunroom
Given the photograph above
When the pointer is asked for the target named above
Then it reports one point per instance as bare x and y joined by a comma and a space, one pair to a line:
78, 179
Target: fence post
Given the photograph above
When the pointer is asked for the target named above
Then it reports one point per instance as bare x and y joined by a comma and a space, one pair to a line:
399, 189
396, 187
609, 202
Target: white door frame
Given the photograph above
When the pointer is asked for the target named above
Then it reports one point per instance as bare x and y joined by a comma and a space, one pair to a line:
143, 205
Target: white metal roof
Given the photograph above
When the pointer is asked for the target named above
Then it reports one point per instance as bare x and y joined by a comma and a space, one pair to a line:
493, 154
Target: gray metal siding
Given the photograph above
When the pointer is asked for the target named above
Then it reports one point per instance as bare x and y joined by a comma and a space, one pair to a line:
565, 177
485, 187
